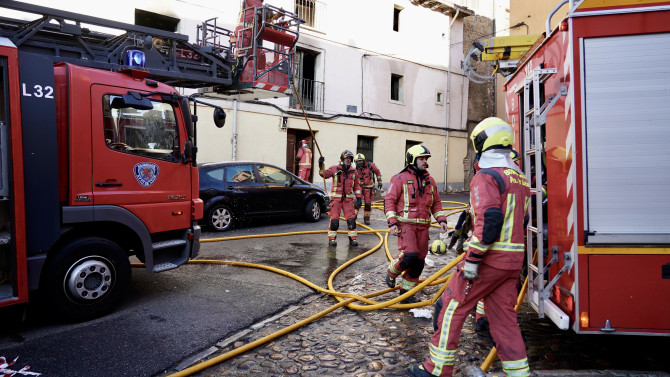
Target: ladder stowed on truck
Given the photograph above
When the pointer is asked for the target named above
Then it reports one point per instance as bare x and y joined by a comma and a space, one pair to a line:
589, 108
98, 150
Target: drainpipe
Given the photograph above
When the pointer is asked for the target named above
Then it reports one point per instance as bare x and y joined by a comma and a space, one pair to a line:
448, 99
235, 129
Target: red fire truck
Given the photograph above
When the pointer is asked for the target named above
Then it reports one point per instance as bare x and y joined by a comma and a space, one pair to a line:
97, 151
589, 105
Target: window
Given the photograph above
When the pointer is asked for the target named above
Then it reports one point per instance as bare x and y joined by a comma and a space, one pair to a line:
211, 178
310, 90
150, 133
365, 145
155, 20
396, 17
270, 174
439, 97
240, 174
396, 88
306, 10
410, 143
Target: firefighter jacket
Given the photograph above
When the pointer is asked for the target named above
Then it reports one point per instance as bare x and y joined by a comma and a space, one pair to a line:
304, 157
367, 174
345, 181
499, 197
412, 198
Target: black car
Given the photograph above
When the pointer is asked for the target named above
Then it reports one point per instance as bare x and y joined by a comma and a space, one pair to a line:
244, 189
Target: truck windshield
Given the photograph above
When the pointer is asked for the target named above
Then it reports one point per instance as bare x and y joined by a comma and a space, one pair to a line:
150, 133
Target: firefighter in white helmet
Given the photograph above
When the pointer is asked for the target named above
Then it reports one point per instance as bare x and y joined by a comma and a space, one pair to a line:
499, 195
410, 200
368, 173
304, 160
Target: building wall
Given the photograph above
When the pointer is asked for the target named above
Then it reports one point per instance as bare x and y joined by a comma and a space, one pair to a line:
534, 14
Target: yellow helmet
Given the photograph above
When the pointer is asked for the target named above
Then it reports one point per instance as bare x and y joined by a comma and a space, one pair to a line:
360, 156
438, 247
491, 132
414, 152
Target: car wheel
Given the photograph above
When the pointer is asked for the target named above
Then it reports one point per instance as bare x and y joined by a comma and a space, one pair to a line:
220, 218
86, 279
313, 210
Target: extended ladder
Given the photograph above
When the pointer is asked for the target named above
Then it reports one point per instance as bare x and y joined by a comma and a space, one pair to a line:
534, 119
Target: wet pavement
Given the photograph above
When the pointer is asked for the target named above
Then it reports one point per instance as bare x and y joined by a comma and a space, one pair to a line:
385, 342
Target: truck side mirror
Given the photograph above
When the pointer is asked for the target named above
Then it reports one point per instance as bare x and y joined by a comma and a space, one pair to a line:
189, 152
219, 117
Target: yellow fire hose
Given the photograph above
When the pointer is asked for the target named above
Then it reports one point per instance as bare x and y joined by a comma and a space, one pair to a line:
351, 298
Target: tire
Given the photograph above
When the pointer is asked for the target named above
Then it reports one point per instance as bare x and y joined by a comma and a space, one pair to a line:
313, 211
220, 218
86, 279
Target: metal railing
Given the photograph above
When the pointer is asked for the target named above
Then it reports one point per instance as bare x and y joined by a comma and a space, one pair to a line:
313, 12
311, 95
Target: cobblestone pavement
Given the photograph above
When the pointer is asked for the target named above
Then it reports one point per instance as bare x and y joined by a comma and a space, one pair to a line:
385, 342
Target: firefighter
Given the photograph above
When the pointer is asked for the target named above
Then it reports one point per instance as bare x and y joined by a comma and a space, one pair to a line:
368, 173
345, 188
499, 195
304, 160
410, 200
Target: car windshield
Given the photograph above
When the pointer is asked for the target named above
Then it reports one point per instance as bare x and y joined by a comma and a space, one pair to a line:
271, 174
240, 174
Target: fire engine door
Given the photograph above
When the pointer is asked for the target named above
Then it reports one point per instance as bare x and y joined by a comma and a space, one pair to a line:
136, 162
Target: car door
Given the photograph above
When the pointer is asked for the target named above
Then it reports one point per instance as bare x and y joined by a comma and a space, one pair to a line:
135, 161
246, 191
282, 194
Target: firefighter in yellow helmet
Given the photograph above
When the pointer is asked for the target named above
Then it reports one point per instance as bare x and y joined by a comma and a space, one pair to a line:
345, 194
410, 200
499, 195
368, 173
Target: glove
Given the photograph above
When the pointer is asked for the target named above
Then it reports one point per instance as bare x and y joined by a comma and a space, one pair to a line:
297, 159
470, 271
358, 203
321, 162
379, 185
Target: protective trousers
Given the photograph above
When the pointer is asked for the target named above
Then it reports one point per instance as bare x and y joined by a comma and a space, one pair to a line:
498, 288
367, 199
303, 173
345, 205
413, 245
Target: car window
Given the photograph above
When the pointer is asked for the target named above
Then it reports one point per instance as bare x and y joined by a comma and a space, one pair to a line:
240, 173
271, 174
211, 177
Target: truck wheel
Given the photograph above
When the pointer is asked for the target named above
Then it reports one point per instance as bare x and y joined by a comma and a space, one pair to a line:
313, 211
220, 218
86, 279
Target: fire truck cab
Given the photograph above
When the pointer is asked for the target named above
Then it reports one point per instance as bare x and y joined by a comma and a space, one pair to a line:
98, 154
589, 106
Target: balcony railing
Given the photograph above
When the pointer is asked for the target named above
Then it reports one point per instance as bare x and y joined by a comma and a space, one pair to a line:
313, 12
311, 95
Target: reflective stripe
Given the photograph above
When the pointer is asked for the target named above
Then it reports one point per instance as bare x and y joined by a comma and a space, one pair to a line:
508, 222
368, 186
390, 215
405, 196
417, 221
393, 263
305, 164
500, 246
332, 233
407, 285
352, 233
516, 368
480, 308
439, 354
439, 213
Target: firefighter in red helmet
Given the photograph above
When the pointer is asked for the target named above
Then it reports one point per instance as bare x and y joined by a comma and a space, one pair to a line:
368, 173
304, 160
499, 195
345, 194
410, 200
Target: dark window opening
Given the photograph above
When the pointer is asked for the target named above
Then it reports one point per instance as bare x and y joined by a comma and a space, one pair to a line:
155, 20
396, 87
365, 145
396, 19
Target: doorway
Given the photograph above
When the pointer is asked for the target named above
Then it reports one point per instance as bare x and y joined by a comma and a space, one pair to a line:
293, 138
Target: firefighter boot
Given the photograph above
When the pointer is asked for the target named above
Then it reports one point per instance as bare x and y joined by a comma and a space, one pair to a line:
366, 220
332, 242
389, 280
353, 242
408, 300
418, 371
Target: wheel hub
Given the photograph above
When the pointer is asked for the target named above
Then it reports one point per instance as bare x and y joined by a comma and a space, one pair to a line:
90, 279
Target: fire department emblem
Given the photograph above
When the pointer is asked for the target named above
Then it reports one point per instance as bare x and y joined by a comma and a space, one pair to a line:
146, 173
